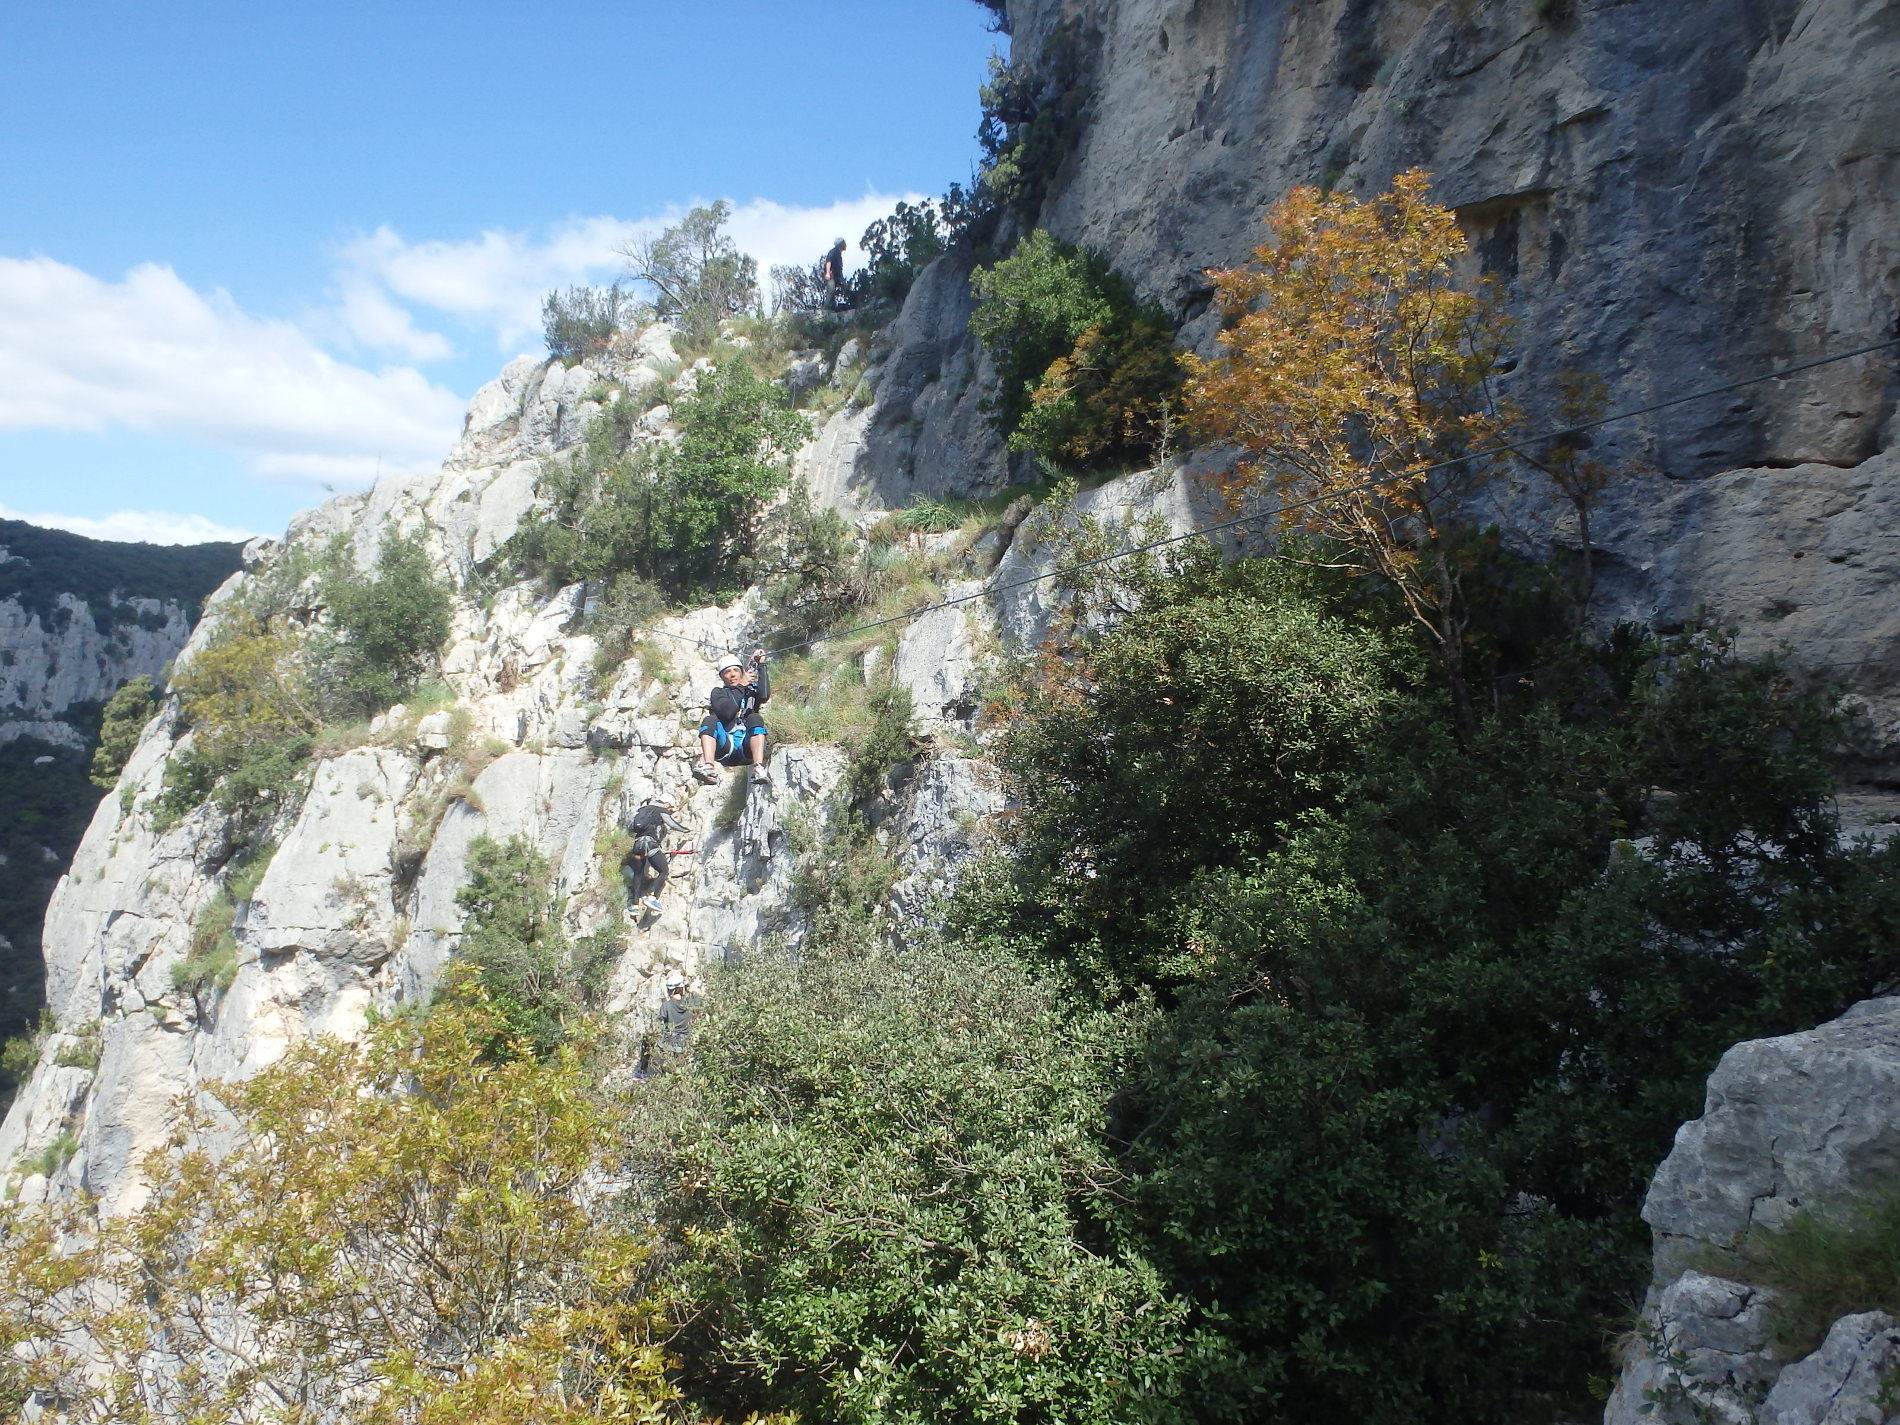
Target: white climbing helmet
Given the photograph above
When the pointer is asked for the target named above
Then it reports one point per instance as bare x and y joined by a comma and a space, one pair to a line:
727, 661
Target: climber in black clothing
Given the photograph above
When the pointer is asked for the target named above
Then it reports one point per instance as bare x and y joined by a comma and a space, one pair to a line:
831, 269
649, 863
732, 733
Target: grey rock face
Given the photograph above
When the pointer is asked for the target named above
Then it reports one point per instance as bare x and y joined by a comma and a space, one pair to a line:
1807, 1120
1671, 196
1843, 1382
1802, 1120
47, 665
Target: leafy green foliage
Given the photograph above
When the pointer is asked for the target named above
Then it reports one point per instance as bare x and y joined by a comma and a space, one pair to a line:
1032, 117
258, 692
737, 436
894, 1175
1084, 369
252, 715
698, 277
898, 247
684, 517
1431, 1014
601, 521
539, 981
126, 713
407, 1222
579, 322
815, 572
384, 629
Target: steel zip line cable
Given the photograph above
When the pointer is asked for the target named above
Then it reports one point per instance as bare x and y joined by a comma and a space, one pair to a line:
1567, 429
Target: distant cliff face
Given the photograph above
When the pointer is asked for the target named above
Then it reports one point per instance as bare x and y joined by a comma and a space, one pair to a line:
51, 661
78, 618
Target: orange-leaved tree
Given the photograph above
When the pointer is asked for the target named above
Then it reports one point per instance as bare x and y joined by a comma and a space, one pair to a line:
1355, 356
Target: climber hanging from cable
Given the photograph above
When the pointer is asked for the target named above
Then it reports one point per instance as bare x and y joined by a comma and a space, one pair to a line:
649, 863
732, 734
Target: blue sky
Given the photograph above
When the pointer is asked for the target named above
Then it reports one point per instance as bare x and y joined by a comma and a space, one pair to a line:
251, 251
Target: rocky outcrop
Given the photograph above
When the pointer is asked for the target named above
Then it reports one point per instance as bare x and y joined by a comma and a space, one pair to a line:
356, 909
1807, 1120
1672, 197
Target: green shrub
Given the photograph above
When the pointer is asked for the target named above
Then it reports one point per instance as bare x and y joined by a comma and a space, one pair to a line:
20, 1053
126, 714
1427, 1030
900, 246
580, 322
211, 962
54, 1155
85, 1050
892, 1192
698, 277
1826, 1264
738, 433
1085, 371
813, 571
247, 698
385, 628
683, 518
538, 980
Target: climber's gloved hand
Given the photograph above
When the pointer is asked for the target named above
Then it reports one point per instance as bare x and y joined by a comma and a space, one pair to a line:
758, 658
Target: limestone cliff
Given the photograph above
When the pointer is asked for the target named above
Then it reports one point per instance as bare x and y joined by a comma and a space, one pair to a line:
356, 911
1806, 1121
1672, 196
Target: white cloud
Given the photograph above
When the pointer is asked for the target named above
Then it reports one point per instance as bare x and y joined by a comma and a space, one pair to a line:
498, 280
137, 526
151, 354
369, 320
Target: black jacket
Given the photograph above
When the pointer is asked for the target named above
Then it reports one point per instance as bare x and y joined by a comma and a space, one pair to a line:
733, 706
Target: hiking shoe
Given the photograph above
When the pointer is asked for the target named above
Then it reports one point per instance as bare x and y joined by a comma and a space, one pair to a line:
651, 903
706, 773
761, 776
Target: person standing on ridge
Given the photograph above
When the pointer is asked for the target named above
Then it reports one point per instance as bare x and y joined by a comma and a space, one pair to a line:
831, 270
649, 863
732, 733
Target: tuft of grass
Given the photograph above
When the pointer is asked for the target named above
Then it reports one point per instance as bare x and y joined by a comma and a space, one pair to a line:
211, 962
53, 1156
248, 874
1826, 1264
84, 1051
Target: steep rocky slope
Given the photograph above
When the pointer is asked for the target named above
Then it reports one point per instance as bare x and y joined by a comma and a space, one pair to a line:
356, 911
1806, 1121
